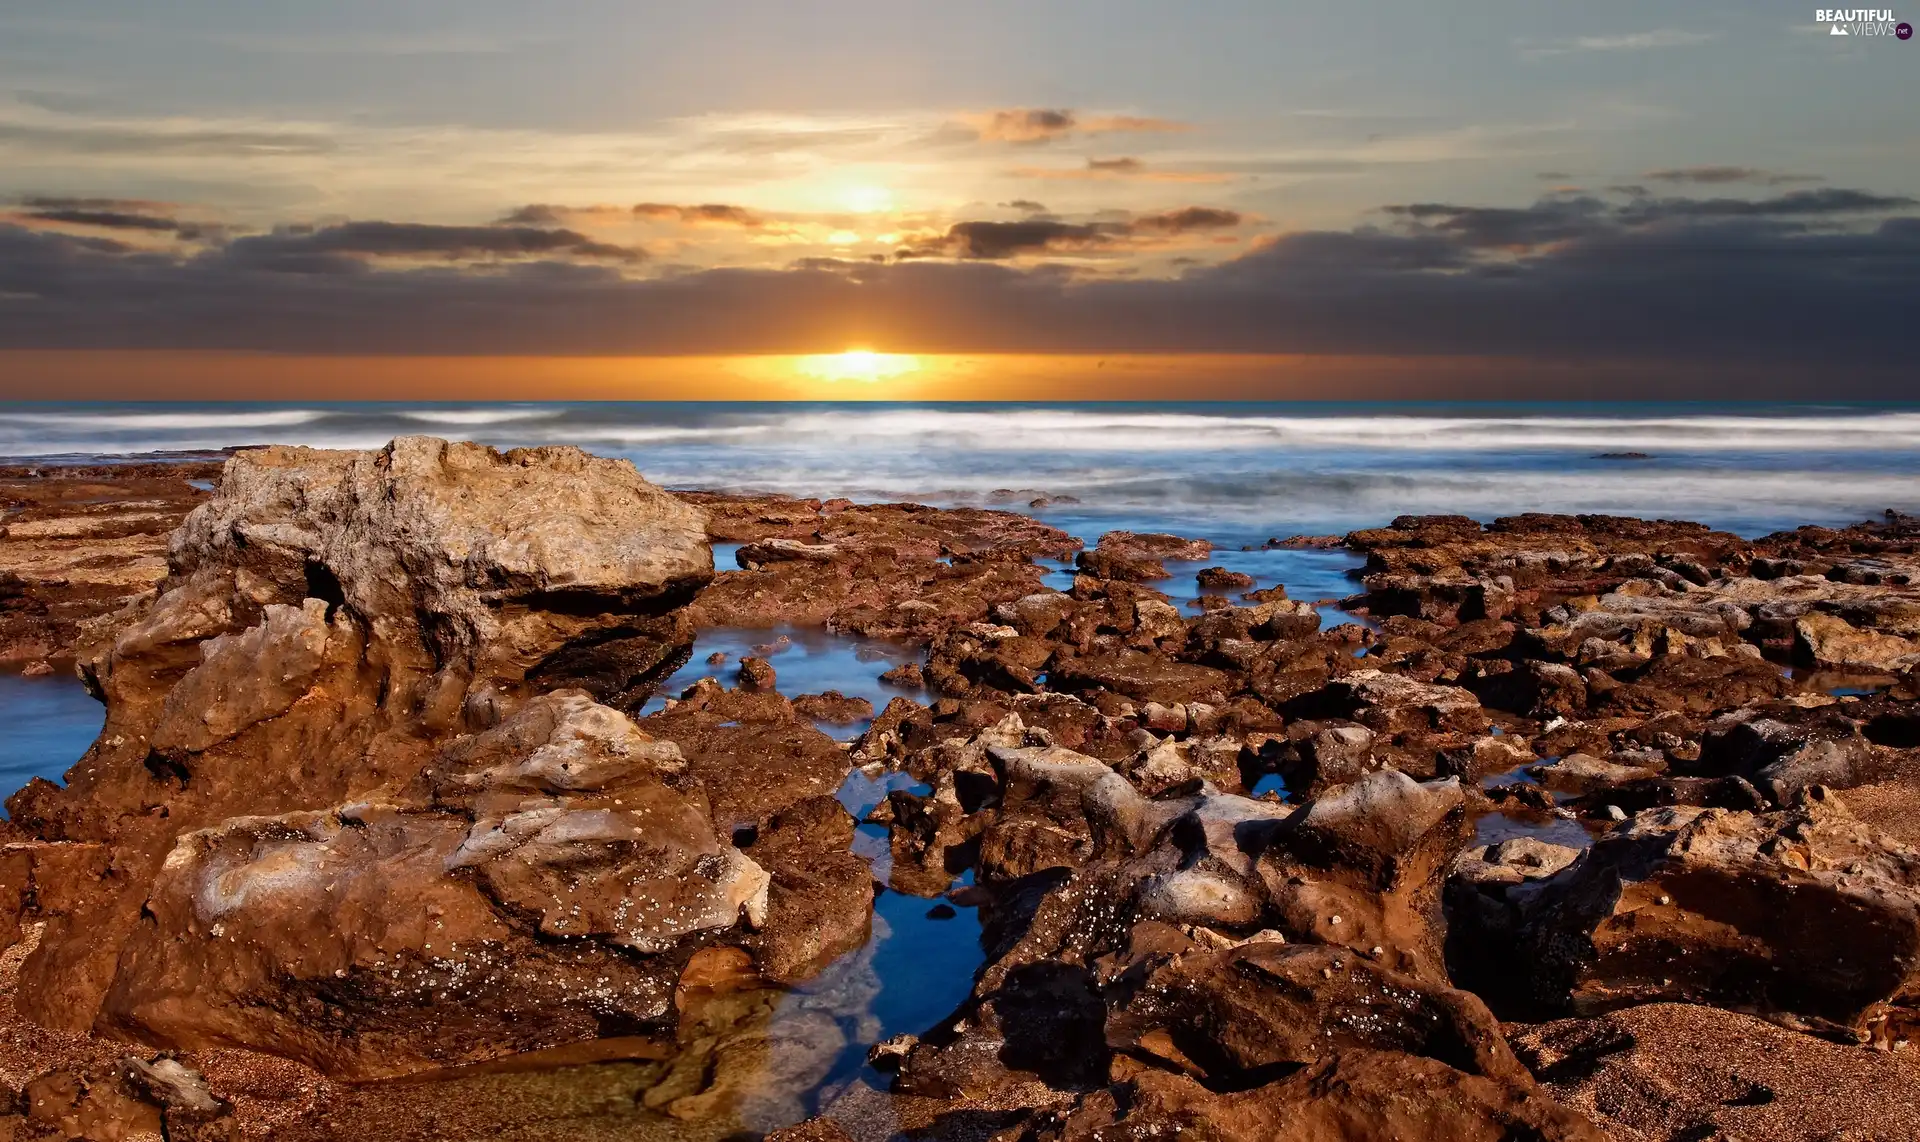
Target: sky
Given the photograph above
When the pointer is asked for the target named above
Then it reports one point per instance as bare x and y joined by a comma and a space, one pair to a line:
1226, 197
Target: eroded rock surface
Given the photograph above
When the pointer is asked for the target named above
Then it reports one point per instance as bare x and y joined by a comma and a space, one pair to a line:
374, 800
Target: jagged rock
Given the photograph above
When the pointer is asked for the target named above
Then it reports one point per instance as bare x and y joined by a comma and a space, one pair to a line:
1144, 677
1332, 756
1804, 916
1579, 773
833, 707
751, 556
1250, 1008
330, 619
1220, 578
1364, 867
1393, 703
1829, 641
756, 674
287, 934
1789, 752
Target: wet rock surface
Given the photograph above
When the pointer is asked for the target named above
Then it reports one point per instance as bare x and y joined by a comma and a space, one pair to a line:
79, 543
389, 823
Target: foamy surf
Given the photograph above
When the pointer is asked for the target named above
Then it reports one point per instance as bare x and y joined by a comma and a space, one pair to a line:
1232, 470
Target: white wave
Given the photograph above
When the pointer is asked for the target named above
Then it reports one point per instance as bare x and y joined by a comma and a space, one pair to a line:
168, 421
472, 416
1094, 430
1097, 430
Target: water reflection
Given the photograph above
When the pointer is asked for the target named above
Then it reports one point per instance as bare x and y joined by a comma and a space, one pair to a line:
806, 660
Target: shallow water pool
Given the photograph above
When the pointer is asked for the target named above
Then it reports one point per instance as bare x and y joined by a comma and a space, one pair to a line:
49, 723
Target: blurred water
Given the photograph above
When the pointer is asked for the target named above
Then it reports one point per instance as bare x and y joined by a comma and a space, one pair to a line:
49, 723
1255, 469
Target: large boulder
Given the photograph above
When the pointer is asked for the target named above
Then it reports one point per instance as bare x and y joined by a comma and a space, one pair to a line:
563, 876
1804, 916
330, 621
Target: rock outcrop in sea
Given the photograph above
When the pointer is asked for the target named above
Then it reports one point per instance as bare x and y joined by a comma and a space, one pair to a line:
1584, 828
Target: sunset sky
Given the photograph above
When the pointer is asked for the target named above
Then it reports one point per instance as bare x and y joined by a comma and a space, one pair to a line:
1075, 198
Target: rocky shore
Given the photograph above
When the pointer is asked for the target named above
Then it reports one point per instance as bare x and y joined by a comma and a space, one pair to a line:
1582, 828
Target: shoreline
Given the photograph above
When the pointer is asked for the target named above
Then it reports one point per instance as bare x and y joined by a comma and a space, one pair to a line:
406, 646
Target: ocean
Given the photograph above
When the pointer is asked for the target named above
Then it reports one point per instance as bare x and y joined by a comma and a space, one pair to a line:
1233, 472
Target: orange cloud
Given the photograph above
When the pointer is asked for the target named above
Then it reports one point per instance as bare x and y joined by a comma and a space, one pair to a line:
1121, 168
703, 214
1043, 125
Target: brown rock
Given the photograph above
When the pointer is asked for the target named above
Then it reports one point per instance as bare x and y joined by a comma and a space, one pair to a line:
1831, 642
1804, 916
834, 707
1219, 578
756, 674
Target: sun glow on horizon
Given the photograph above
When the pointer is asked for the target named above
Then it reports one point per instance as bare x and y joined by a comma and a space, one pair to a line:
857, 365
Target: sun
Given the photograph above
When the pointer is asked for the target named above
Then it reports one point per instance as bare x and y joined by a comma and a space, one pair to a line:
860, 365
866, 198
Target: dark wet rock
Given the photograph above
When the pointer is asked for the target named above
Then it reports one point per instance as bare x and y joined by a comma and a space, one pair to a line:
1144, 677
1137, 558
1244, 1017
751, 752
834, 707
752, 556
1356, 1095
1537, 689
1364, 867
1332, 756
756, 674
1392, 703
887, 570
906, 675
820, 899
1790, 750
1579, 773
1804, 916
1220, 578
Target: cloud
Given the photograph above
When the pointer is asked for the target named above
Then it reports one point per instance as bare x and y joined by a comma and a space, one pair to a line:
1822, 281
1623, 42
1714, 175
62, 202
992, 241
1795, 204
535, 214
1566, 218
1122, 168
704, 214
162, 139
130, 214
1026, 206
108, 219
1187, 220
1030, 125
340, 248
997, 241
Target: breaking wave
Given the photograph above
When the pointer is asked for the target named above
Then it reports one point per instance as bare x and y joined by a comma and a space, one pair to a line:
1236, 467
